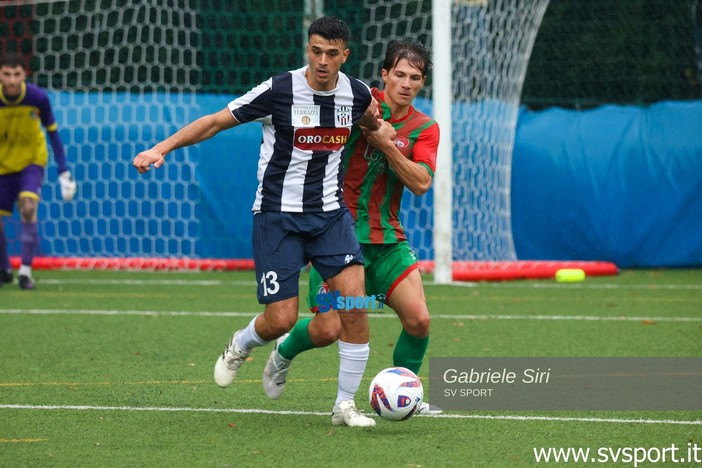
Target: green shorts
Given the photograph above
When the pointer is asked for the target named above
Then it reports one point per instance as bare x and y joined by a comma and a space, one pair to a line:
385, 266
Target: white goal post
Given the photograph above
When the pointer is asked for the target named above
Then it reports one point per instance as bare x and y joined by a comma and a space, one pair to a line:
480, 51
443, 177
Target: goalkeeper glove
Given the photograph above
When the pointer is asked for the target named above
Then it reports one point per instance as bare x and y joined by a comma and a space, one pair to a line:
68, 186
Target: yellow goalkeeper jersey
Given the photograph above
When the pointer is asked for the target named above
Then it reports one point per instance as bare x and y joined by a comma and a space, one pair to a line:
22, 140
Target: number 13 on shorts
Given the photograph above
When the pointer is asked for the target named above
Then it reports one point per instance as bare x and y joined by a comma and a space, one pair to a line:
269, 282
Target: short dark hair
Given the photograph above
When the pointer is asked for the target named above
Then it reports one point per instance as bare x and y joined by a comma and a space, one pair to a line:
415, 53
330, 28
12, 60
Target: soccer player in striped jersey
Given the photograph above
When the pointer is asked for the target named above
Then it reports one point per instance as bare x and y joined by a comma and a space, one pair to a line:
24, 109
380, 165
299, 213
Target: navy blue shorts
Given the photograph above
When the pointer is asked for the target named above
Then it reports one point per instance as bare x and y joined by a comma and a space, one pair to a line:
283, 243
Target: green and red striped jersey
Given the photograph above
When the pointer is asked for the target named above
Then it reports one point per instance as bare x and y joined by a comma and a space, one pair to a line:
372, 190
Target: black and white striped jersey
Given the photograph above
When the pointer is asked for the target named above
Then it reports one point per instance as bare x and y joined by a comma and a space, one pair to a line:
304, 135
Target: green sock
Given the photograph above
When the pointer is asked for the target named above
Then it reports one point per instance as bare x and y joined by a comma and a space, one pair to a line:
409, 351
298, 341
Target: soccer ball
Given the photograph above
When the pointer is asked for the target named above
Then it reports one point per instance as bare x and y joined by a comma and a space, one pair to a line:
396, 393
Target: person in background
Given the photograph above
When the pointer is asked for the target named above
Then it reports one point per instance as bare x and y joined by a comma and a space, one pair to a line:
24, 109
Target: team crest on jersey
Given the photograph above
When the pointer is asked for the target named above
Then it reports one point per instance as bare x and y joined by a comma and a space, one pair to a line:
343, 115
401, 142
321, 139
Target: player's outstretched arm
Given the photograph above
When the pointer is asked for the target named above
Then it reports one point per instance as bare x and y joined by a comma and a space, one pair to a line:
199, 130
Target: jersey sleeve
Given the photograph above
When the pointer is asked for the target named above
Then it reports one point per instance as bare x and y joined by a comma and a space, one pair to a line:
49, 122
46, 113
255, 105
361, 98
426, 147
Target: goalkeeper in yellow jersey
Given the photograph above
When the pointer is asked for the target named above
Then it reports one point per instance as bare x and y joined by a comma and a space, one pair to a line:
24, 109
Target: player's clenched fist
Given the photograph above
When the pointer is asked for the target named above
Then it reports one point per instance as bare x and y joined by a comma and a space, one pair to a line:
145, 159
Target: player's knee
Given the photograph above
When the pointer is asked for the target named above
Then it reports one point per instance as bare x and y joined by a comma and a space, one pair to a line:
354, 319
280, 324
325, 328
26, 211
418, 324
328, 334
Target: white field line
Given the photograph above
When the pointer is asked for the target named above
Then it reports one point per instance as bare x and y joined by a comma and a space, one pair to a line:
551, 285
490, 284
326, 413
147, 282
386, 315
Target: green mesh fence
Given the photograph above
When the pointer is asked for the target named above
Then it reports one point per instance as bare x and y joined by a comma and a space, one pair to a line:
593, 52
587, 53
245, 42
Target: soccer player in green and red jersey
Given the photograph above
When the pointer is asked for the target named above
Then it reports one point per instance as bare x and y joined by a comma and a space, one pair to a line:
379, 166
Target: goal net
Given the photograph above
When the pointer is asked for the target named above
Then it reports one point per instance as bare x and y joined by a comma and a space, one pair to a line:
120, 76
491, 44
123, 75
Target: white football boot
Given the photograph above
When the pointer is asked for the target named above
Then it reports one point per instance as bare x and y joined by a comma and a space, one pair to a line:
276, 371
426, 409
346, 414
229, 363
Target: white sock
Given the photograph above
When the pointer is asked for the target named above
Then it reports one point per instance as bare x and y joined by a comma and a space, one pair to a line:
352, 364
25, 270
248, 338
